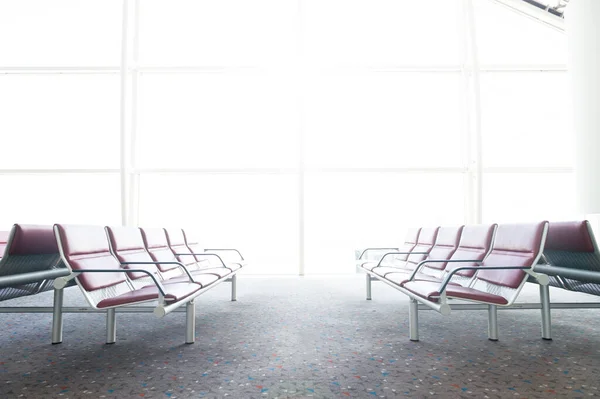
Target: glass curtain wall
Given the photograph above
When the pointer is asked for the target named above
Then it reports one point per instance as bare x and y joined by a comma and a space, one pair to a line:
59, 101
294, 130
525, 117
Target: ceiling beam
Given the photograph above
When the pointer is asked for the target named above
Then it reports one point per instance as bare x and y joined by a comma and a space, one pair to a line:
539, 14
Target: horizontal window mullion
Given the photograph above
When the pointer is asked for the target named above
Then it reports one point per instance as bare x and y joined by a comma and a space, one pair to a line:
297, 170
22, 70
57, 171
448, 169
524, 68
215, 171
528, 169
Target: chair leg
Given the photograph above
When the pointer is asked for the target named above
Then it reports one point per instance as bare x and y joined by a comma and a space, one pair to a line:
190, 322
492, 322
57, 319
413, 320
368, 287
111, 326
234, 288
546, 316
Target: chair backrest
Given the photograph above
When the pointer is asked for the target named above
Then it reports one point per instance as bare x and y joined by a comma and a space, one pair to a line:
475, 244
30, 252
410, 241
176, 240
425, 243
571, 245
445, 245
514, 245
127, 244
193, 245
157, 245
87, 248
30, 248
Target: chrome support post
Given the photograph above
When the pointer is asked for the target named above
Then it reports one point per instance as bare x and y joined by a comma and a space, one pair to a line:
492, 322
190, 322
234, 288
546, 317
413, 320
368, 287
111, 326
57, 319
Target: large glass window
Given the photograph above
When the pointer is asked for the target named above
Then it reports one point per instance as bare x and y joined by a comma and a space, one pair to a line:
213, 120
59, 33
217, 33
59, 121
505, 37
48, 198
59, 100
296, 131
359, 33
522, 122
379, 120
526, 197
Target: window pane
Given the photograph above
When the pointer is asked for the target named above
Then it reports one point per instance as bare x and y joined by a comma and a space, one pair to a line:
348, 211
526, 119
216, 121
383, 120
224, 32
257, 214
381, 32
65, 198
60, 33
59, 121
507, 37
512, 197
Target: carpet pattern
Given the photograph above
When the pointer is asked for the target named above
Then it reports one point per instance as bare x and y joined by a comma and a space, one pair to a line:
300, 338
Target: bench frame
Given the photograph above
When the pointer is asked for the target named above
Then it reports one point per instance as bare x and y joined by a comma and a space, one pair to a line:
161, 310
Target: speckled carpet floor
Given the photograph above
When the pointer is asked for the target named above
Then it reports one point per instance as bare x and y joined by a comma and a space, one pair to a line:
298, 338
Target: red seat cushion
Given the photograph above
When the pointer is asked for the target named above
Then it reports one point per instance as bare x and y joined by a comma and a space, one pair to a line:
429, 291
219, 271
383, 271
174, 292
234, 266
204, 279
369, 265
401, 278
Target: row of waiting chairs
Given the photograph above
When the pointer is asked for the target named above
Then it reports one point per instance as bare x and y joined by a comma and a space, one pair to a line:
489, 265
114, 267
486, 264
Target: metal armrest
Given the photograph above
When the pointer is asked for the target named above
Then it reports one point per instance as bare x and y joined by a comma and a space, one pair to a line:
586, 276
374, 249
162, 263
32, 277
400, 253
449, 276
225, 249
205, 254
161, 289
420, 264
